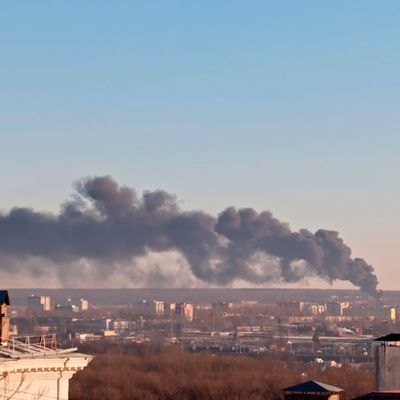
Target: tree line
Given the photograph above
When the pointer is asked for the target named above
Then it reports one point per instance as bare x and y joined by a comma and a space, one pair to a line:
145, 372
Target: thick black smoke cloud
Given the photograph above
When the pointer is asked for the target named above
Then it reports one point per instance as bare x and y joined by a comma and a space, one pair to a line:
109, 224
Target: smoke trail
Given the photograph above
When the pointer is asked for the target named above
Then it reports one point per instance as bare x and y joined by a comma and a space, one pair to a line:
106, 224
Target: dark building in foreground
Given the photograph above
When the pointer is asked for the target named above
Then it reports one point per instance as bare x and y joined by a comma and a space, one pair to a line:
312, 390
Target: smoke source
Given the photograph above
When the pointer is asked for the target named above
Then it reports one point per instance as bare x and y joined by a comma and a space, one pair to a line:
106, 225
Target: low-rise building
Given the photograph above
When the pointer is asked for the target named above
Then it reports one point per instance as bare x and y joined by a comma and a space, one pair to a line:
312, 390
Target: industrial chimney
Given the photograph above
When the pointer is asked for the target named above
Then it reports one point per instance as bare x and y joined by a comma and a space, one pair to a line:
4, 318
387, 363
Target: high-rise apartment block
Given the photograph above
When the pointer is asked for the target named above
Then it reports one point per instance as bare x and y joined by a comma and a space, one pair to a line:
38, 303
185, 310
158, 308
84, 305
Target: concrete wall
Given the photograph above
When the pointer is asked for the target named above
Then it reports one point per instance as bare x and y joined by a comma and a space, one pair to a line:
387, 359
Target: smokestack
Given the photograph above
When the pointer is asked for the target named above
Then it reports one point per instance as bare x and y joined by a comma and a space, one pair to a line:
387, 363
108, 226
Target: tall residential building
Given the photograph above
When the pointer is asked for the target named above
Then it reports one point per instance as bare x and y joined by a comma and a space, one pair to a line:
158, 308
45, 300
34, 302
185, 310
336, 308
84, 305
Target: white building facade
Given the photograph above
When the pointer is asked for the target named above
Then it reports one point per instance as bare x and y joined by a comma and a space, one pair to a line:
32, 371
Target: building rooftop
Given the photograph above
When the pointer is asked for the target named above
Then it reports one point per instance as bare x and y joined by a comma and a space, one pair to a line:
31, 347
391, 337
313, 387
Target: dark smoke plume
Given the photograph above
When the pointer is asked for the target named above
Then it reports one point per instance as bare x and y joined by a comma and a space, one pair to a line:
107, 224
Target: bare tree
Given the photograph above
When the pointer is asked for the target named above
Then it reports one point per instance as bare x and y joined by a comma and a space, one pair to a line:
21, 388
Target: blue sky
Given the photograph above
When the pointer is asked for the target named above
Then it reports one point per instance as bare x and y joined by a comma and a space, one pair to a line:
288, 106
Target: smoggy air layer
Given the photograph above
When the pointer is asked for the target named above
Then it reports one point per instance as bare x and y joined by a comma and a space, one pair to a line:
110, 224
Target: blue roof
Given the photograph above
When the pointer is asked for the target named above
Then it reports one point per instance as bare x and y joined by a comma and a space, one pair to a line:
4, 299
313, 387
